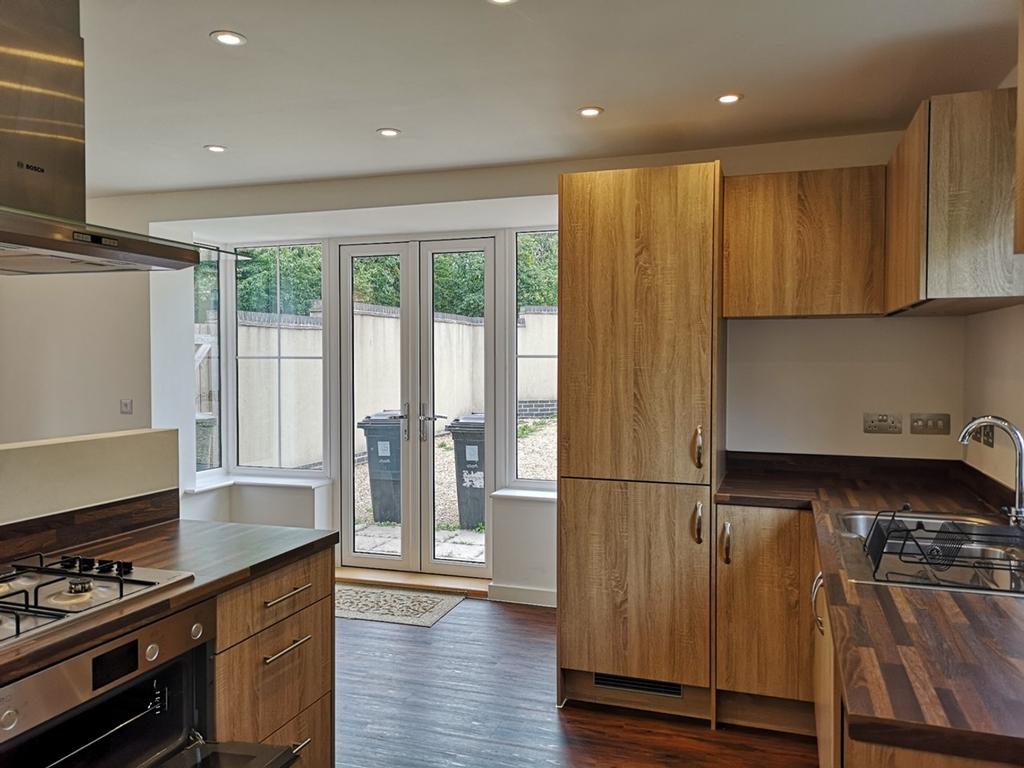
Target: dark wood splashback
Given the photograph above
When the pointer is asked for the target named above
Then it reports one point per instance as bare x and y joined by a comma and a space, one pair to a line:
67, 530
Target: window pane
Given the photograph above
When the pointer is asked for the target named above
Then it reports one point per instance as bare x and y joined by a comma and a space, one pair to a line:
537, 293
536, 418
301, 301
258, 424
206, 291
377, 397
302, 414
256, 295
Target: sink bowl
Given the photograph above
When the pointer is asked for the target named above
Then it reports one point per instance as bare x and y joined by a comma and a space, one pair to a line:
859, 523
969, 553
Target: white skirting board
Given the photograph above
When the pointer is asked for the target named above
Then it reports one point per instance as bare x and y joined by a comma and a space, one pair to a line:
510, 593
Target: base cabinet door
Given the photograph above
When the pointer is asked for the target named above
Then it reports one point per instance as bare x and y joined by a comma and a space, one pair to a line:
764, 631
828, 717
634, 580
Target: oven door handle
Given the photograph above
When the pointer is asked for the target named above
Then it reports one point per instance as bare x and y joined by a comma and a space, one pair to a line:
289, 649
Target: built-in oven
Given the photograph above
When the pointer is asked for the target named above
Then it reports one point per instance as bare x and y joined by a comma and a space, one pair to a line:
141, 701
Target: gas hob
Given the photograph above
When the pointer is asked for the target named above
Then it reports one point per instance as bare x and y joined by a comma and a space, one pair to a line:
40, 591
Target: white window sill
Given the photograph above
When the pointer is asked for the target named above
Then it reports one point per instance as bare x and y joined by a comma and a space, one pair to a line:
226, 481
522, 494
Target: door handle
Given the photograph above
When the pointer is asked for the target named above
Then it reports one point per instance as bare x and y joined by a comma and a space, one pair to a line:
425, 419
403, 417
698, 522
435, 417
700, 446
816, 585
727, 543
296, 748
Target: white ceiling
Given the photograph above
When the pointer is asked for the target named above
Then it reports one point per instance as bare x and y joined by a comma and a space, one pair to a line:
471, 83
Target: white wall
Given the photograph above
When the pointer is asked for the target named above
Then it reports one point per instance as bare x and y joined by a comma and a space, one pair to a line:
71, 347
994, 383
802, 386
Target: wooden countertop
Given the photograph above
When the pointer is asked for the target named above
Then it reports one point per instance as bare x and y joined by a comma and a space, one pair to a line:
923, 669
221, 555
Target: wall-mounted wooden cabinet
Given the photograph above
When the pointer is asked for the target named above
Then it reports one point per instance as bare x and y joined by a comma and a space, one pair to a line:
636, 267
950, 200
804, 243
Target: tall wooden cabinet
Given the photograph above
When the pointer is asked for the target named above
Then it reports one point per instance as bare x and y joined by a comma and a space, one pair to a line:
639, 322
635, 289
950, 199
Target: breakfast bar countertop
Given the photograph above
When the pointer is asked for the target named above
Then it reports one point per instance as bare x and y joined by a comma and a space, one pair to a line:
924, 669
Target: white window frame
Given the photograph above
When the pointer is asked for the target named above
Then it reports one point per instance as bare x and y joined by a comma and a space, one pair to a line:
506, 446
229, 328
216, 474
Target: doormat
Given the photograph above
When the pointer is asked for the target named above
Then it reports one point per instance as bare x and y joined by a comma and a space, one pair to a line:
397, 606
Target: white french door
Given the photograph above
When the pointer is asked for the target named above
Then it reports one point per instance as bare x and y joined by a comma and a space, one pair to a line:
415, 323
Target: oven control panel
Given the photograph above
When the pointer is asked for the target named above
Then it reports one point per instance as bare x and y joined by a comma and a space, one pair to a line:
51, 692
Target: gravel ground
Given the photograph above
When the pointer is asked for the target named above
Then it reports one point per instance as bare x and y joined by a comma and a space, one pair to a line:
536, 460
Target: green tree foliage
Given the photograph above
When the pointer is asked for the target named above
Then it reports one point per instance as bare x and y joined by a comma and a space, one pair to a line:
377, 280
536, 269
206, 290
458, 284
256, 279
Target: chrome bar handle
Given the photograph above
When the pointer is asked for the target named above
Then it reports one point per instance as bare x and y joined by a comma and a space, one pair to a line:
282, 598
727, 542
289, 649
425, 419
698, 523
404, 418
819, 580
296, 748
700, 446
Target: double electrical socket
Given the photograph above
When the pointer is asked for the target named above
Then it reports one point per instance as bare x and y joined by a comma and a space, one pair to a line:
985, 435
920, 424
883, 424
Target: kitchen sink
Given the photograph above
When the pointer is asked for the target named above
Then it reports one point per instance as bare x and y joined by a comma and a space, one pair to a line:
859, 523
939, 551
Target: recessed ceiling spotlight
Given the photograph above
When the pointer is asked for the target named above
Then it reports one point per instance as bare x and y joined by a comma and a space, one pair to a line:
730, 98
215, 148
388, 132
227, 37
591, 111
501, 2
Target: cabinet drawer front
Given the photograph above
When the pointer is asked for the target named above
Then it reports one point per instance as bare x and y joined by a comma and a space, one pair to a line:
310, 735
269, 679
252, 607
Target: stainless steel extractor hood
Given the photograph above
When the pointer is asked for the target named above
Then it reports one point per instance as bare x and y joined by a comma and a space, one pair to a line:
42, 154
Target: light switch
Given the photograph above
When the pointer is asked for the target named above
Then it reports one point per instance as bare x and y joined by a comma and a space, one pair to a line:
127, 407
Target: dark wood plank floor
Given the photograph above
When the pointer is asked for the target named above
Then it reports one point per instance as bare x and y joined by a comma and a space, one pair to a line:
478, 689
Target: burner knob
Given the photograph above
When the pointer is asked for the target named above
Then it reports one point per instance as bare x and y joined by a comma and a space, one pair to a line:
197, 631
105, 566
124, 567
86, 563
152, 652
9, 719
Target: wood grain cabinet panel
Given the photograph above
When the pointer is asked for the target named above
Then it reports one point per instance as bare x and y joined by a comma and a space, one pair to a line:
633, 580
950, 200
310, 735
970, 207
906, 203
250, 608
1018, 218
636, 260
265, 681
805, 243
765, 625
